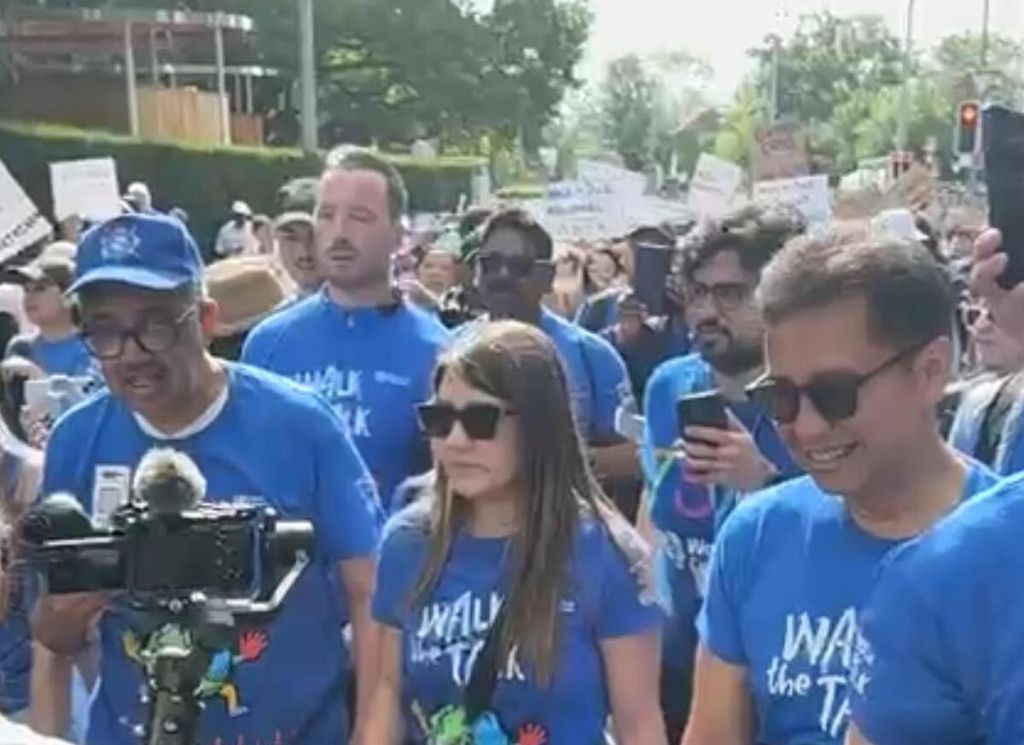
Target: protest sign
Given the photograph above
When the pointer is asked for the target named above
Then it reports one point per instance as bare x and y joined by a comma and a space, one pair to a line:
808, 195
21, 225
603, 201
780, 151
713, 186
87, 188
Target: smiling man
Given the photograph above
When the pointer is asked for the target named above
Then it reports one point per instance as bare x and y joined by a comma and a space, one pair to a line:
357, 341
858, 356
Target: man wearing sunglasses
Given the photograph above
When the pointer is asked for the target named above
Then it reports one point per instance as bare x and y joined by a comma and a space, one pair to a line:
858, 357
514, 270
940, 656
145, 317
357, 341
694, 478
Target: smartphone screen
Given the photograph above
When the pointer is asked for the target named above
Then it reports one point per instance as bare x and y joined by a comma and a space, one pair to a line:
1003, 142
701, 410
652, 266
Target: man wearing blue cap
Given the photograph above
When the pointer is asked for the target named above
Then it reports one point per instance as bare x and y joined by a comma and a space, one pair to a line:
145, 318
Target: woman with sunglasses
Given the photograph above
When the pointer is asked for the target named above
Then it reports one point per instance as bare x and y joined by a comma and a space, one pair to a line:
858, 354
989, 417
510, 593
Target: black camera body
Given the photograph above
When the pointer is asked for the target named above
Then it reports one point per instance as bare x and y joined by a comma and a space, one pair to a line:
225, 551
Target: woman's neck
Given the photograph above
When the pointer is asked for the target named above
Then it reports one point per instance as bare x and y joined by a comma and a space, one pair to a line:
494, 516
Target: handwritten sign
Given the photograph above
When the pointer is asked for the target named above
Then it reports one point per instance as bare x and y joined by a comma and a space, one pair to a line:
713, 186
87, 188
21, 224
779, 152
807, 195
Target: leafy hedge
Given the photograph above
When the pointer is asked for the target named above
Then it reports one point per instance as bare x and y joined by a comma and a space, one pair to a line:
204, 180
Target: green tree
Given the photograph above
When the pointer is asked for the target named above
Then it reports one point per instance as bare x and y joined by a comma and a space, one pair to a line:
735, 139
644, 104
827, 61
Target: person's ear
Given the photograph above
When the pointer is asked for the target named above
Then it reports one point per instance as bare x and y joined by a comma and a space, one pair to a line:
209, 312
933, 367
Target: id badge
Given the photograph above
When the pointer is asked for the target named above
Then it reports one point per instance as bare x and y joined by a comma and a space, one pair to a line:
112, 487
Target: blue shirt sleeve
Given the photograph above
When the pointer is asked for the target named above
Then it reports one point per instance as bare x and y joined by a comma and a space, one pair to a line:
258, 346
345, 509
902, 687
719, 621
660, 427
62, 450
397, 569
611, 385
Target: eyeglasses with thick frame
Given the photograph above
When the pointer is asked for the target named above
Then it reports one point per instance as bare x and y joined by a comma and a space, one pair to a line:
151, 335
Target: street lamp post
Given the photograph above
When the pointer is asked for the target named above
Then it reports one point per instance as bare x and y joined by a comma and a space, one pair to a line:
307, 68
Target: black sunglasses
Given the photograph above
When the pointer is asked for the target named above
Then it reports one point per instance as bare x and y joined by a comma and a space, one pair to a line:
835, 395
519, 267
479, 421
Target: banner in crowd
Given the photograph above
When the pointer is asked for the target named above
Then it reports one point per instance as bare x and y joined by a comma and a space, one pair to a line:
603, 201
780, 151
714, 186
86, 188
21, 223
808, 195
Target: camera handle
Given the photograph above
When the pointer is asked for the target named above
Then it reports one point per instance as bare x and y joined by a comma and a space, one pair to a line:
175, 662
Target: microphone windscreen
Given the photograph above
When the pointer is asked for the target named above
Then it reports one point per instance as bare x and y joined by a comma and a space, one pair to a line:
169, 482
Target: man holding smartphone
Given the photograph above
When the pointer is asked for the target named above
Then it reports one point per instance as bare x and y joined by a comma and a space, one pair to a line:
690, 490
939, 657
857, 351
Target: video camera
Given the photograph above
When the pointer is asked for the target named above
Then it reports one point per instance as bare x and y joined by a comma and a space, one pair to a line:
165, 542
189, 570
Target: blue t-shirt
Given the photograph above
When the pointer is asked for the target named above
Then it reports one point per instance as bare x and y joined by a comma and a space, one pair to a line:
941, 656
67, 356
440, 641
789, 574
685, 515
276, 442
373, 366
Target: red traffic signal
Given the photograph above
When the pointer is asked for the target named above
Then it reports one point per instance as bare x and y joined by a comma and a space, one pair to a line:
968, 121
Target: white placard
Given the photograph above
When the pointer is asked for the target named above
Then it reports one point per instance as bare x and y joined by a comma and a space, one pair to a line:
87, 188
808, 195
713, 186
21, 224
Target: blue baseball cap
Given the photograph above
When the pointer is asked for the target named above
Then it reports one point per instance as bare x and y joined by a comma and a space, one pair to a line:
150, 251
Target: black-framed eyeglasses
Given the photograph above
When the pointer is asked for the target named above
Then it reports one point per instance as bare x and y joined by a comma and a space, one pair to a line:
155, 334
835, 394
479, 421
519, 267
727, 296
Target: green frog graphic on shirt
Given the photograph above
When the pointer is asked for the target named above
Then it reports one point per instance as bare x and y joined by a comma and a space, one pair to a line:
217, 681
449, 726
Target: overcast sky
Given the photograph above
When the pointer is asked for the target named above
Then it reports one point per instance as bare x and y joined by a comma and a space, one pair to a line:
722, 30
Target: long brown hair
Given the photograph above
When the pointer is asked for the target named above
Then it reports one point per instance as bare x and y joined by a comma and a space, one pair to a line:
519, 365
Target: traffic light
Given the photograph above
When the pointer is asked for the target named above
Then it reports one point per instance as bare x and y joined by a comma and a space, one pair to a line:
967, 125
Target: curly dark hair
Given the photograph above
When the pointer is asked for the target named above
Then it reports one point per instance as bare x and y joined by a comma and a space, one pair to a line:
755, 233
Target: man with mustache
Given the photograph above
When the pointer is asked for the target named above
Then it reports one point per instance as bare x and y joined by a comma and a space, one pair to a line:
357, 341
716, 270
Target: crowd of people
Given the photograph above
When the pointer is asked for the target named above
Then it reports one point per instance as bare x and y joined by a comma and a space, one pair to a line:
526, 531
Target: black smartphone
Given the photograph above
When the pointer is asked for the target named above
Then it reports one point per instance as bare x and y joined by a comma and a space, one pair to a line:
650, 272
701, 410
1002, 133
